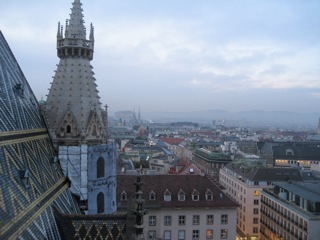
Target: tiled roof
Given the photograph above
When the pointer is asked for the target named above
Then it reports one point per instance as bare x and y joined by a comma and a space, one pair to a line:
31, 180
159, 184
305, 152
93, 226
172, 141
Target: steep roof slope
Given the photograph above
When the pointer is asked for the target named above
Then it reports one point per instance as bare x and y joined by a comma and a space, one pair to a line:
31, 181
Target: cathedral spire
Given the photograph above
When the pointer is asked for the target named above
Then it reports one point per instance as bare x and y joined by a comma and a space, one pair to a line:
74, 83
76, 22
74, 42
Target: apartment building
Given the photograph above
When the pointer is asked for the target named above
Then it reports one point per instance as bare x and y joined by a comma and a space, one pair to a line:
243, 181
210, 161
291, 211
183, 207
296, 155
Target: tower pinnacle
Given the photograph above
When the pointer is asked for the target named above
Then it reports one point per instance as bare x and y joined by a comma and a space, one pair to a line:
74, 42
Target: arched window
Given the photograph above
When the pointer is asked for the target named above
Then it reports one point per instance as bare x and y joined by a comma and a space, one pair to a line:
100, 202
100, 167
68, 129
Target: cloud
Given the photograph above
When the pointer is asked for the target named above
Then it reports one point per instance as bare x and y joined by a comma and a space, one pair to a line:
178, 48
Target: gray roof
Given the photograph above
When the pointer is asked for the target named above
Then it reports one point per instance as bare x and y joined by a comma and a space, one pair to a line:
310, 191
303, 151
257, 171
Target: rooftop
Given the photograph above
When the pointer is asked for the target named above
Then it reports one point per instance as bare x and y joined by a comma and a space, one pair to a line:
159, 184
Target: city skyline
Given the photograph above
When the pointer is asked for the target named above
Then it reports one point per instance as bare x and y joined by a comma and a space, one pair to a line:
181, 56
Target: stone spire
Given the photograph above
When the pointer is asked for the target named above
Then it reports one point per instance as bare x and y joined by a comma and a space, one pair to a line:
76, 23
73, 108
74, 42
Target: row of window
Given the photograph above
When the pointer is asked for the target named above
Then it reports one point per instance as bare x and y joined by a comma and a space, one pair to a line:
167, 234
281, 212
295, 162
167, 196
182, 220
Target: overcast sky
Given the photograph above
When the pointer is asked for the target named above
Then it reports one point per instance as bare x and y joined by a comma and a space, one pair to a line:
181, 55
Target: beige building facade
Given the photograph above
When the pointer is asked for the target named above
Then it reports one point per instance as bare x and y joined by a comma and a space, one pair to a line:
183, 207
243, 182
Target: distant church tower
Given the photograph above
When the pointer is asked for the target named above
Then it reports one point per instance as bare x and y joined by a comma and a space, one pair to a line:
76, 121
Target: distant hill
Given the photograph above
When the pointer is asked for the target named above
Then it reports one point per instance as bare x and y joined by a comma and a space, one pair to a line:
241, 118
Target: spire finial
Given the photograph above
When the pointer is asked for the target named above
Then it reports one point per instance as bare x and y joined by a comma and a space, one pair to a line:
91, 37
58, 33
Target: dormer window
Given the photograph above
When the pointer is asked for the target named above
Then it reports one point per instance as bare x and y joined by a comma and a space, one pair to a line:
123, 195
209, 195
181, 195
167, 196
24, 176
152, 196
19, 89
289, 152
195, 195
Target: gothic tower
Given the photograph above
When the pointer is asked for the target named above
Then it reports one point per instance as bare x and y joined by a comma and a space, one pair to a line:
73, 107
76, 120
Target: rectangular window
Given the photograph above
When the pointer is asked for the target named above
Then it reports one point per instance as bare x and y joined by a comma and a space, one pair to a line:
224, 219
195, 197
152, 196
152, 220
209, 196
167, 220
196, 220
182, 220
224, 233
195, 234
181, 197
209, 233
167, 197
255, 220
181, 235
255, 230
256, 202
167, 235
152, 235
256, 211
209, 219
256, 193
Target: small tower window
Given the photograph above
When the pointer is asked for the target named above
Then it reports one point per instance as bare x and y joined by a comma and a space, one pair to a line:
68, 129
94, 131
100, 167
100, 202
123, 195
